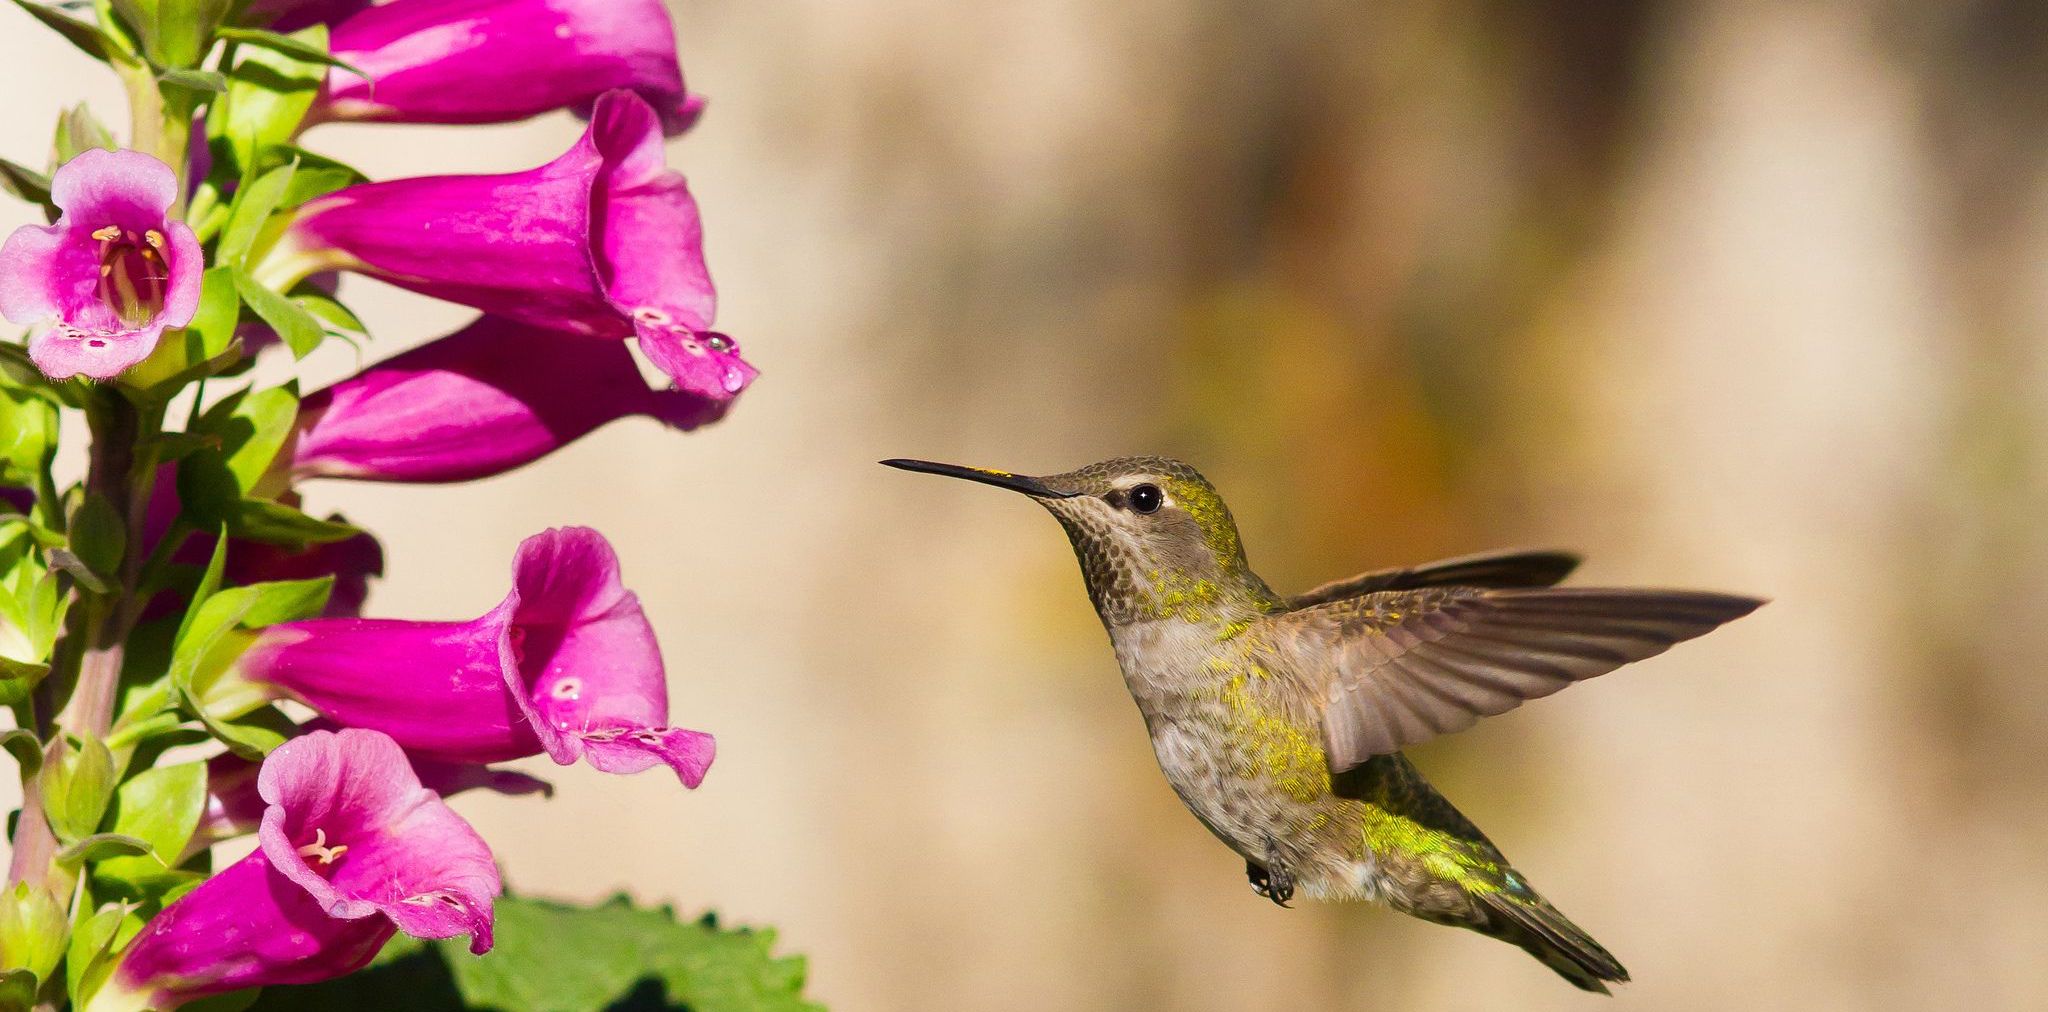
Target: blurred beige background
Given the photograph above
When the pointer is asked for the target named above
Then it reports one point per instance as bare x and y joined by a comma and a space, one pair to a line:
1737, 295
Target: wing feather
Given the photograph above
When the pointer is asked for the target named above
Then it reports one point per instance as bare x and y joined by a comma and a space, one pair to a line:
1412, 665
1514, 568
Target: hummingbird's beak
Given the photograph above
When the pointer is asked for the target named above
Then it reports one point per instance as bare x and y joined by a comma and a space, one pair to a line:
1001, 479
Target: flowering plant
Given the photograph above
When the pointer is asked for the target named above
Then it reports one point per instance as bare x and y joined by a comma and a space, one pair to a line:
182, 645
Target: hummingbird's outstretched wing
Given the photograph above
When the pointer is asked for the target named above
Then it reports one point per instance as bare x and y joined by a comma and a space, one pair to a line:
1407, 666
1513, 568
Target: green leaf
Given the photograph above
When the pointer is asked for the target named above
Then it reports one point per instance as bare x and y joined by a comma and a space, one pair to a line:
277, 524
99, 534
201, 662
253, 430
28, 437
253, 734
77, 781
329, 311
18, 990
78, 570
21, 743
83, 34
101, 847
161, 807
220, 308
298, 48
300, 331
91, 936
251, 210
268, 94
78, 131
27, 184
209, 583
551, 956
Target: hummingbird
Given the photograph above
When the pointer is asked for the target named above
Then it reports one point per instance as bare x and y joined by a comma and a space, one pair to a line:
1280, 721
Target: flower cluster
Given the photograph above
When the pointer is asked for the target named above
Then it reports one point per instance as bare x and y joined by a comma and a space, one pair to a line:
180, 593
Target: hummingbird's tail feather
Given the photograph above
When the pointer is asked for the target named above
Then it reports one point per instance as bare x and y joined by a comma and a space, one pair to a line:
1531, 922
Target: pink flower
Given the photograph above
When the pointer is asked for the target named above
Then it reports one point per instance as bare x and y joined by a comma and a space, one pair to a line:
566, 665
353, 848
113, 271
493, 61
491, 397
602, 242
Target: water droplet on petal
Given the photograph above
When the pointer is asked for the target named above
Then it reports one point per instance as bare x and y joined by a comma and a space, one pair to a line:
733, 380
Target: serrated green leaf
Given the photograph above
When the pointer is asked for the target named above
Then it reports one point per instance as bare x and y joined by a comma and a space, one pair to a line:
78, 131
293, 324
303, 49
83, 34
251, 210
551, 957
161, 807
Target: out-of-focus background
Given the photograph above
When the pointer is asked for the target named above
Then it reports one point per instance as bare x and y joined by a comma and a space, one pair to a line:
1739, 295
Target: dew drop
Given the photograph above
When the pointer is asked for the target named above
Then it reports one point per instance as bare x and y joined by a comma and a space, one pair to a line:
733, 380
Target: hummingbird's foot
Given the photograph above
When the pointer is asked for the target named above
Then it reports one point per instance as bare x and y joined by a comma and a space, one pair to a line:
1271, 880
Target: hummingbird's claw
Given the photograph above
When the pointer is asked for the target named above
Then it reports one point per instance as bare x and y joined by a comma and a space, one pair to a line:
1271, 880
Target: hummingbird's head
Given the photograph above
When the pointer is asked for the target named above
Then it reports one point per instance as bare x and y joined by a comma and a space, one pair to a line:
1153, 537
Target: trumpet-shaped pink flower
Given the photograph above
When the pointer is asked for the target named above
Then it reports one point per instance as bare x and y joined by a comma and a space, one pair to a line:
566, 665
292, 15
110, 274
494, 396
353, 847
493, 61
604, 242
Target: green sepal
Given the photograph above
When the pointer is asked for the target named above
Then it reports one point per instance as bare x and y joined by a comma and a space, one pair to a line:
198, 85
94, 937
274, 523
33, 930
78, 132
77, 781
252, 426
202, 662
160, 807
18, 990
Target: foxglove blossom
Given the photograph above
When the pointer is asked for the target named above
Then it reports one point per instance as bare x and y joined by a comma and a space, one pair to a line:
110, 275
352, 848
491, 397
292, 15
566, 665
604, 241
493, 61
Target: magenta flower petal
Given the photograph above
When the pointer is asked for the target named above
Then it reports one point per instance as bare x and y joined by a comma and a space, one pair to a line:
352, 847
493, 61
491, 397
247, 926
292, 15
110, 274
583, 664
603, 241
350, 823
566, 664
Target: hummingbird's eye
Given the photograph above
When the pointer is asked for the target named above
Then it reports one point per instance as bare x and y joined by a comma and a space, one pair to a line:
1145, 498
